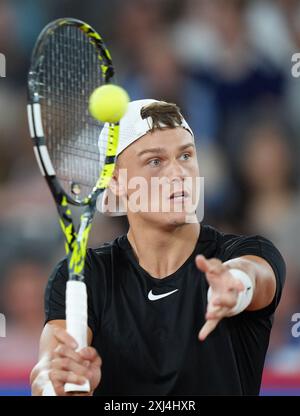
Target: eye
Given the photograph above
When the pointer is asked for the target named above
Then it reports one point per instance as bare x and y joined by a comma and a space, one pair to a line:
185, 156
154, 163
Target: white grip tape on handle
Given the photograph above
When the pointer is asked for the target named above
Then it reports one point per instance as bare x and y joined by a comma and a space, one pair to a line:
76, 317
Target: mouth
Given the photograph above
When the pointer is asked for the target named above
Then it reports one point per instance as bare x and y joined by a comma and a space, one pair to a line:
179, 196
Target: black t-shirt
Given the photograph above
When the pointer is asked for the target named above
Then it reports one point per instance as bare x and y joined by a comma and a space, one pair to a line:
149, 344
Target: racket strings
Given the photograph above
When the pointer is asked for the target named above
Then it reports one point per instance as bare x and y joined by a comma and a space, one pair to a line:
70, 69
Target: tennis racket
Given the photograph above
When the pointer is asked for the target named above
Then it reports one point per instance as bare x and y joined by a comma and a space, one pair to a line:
68, 62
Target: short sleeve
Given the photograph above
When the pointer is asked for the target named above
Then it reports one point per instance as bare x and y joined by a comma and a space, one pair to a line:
55, 295
261, 247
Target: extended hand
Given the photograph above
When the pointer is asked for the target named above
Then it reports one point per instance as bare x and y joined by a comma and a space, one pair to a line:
225, 290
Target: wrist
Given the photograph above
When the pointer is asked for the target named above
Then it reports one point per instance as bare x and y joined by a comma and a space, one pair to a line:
244, 297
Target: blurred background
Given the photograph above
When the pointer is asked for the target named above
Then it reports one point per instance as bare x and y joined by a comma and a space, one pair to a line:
227, 63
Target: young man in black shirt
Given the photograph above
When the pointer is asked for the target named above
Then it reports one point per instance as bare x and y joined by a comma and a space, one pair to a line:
175, 307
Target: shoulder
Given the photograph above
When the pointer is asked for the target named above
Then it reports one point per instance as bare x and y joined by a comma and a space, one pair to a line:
210, 234
107, 251
95, 257
229, 246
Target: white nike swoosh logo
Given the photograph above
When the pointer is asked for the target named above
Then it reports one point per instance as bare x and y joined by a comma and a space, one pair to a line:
151, 295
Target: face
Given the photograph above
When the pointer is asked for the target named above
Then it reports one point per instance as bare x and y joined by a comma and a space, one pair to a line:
157, 175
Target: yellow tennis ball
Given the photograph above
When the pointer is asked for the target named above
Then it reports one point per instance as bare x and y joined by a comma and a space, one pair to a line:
108, 103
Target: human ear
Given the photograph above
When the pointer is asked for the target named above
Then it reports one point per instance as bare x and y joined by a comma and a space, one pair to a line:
116, 186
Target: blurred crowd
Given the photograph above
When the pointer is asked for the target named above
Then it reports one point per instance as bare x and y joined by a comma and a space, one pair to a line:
227, 64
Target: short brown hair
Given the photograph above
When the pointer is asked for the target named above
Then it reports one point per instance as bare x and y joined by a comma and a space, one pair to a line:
162, 112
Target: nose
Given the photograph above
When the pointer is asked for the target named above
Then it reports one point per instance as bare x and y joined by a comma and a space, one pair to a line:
176, 172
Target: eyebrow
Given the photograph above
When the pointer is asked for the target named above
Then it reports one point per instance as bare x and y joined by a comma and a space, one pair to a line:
159, 150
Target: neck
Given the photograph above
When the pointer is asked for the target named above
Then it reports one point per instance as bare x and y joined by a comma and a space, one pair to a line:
162, 251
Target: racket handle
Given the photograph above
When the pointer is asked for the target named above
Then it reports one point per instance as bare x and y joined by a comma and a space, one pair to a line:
76, 317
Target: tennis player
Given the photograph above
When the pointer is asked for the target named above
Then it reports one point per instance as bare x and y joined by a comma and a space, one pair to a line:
175, 307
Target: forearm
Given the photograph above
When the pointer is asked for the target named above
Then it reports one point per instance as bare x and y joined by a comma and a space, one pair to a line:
262, 277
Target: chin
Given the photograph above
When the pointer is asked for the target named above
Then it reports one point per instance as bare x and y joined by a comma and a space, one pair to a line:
170, 219
182, 218
166, 219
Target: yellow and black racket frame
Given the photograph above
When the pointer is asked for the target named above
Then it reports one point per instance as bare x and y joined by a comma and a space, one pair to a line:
75, 241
